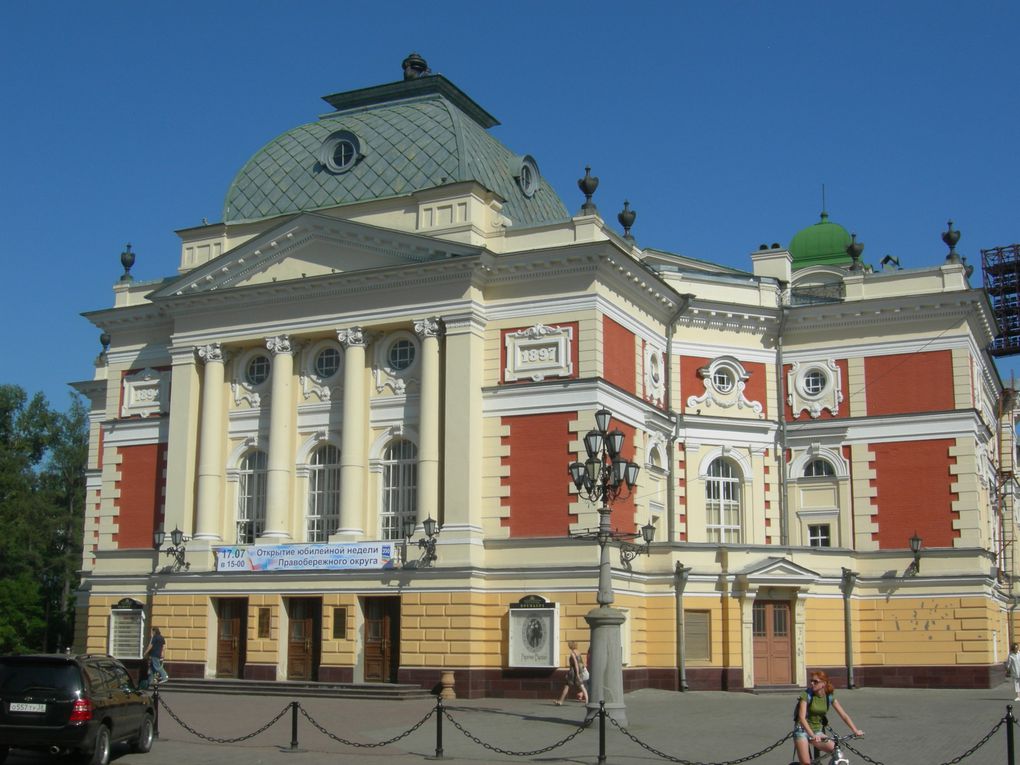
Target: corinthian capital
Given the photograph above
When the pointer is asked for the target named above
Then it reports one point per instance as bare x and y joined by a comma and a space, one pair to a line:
210, 352
429, 327
279, 344
353, 336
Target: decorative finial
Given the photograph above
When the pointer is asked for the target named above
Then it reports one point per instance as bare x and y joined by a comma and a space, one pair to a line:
104, 340
951, 237
854, 250
587, 185
415, 67
626, 217
127, 259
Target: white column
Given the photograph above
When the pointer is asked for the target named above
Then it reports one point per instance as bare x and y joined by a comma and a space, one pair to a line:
280, 472
428, 330
210, 445
352, 444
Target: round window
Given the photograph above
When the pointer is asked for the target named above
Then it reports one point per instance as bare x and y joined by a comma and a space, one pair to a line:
327, 362
401, 355
340, 152
258, 370
722, 380
815, 382
654, 368
528, 176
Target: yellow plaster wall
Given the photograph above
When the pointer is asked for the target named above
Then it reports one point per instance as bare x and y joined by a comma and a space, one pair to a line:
184, 622
824, 636
263, 650
336, 652
926, 631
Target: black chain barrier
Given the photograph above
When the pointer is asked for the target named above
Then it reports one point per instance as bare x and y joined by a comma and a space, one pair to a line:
215, 740
671, 758
360, 745
582, 727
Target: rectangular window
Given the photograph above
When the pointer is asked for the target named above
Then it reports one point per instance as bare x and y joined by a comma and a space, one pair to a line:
264, 622
697, 635
340, 623
126, 633
819, 536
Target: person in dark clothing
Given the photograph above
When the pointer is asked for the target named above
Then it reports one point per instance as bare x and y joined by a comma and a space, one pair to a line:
154, 652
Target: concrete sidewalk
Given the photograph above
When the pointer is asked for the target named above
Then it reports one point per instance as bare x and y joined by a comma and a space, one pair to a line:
926, 727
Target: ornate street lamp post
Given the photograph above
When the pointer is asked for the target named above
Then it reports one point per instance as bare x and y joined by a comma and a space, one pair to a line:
602, 479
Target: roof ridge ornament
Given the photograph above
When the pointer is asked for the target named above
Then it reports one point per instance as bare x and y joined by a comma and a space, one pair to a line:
626, 216
588, 185
127, 259
951, 237
415, 67
854, 250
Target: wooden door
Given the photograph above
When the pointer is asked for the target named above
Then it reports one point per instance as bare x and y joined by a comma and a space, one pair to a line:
231, 618
382, 642
303, 640
773, 643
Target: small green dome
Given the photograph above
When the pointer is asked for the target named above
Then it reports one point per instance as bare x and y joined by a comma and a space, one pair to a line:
824, 243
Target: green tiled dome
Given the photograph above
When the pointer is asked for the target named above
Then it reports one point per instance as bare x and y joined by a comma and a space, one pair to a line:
824, 243
433, 138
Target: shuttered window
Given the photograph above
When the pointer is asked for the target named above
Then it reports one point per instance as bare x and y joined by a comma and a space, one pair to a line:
697, 635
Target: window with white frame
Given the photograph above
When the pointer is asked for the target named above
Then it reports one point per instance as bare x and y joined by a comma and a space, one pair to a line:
127, 633
819, 468
251, 497
819, 535
399, 487
722, 501
323, 493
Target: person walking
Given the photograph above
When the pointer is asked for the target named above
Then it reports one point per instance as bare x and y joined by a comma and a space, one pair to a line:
577, 675
812, 709
154, 652
1013, 669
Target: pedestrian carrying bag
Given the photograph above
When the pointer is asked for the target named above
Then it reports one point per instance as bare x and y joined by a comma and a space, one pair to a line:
584, 674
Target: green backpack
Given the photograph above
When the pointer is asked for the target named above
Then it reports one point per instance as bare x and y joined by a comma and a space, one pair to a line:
810, 695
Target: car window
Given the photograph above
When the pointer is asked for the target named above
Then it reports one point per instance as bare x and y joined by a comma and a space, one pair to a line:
99, 679
18, 677
121, 677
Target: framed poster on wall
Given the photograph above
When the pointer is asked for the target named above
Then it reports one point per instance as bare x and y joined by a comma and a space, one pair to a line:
534, 633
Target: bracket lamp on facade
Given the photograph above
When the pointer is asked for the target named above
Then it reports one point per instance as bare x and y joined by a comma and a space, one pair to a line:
176, 550
427, 545
915, 548
630, 551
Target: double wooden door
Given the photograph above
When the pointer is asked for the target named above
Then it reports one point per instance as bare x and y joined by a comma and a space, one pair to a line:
382, 639
773, 642
304, 641
231, 636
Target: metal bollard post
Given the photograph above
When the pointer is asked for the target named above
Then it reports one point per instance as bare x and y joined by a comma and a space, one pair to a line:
602, 732
155, 712
293, 725
1009, 734
439, 728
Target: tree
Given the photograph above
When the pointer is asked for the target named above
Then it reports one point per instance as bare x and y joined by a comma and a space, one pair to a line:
42, 472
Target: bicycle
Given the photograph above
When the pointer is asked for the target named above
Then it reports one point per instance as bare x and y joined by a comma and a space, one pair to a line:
836, 756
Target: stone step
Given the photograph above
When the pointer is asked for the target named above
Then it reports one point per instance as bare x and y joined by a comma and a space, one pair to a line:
297, 689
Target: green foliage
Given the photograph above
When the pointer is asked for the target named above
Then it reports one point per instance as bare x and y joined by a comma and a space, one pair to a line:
43, 456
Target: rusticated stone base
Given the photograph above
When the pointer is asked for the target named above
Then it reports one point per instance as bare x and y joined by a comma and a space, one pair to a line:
336, 674
185, 668
260, 672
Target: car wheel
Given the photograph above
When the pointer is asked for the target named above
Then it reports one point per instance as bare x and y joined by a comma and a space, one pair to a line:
101, 752
143, 743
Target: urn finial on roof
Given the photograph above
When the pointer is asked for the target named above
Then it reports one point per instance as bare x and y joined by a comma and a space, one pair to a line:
587, 185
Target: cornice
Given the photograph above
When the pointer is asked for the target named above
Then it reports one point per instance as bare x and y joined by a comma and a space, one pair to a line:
889, 428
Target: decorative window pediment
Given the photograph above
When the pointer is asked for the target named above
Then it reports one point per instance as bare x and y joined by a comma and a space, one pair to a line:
814, 386
538, 352
321, 370
725, 379
397, 363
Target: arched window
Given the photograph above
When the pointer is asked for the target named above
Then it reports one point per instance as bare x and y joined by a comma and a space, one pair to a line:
722, 502
819, 468
399, 487
251, 498
323, 493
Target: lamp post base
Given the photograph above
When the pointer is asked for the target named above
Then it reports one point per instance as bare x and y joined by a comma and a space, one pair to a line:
606, 662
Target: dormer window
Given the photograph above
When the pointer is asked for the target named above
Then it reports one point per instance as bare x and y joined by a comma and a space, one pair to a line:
528, 176
340, 151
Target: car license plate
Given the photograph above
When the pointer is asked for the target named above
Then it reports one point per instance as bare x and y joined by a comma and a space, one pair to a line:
19, 706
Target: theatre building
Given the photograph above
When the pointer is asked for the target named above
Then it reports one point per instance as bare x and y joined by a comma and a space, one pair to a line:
356, 399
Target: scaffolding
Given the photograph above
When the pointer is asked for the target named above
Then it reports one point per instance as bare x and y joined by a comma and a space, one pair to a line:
1001, 269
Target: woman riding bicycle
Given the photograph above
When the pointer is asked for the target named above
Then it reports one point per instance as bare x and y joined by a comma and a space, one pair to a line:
812, 707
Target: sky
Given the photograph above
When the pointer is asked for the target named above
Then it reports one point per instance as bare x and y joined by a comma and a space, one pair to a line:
719, 122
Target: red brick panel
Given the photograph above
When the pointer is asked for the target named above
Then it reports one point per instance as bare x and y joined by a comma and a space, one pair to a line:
914, 493
754, 387
618, 363
909, 383
141, 486
539, 481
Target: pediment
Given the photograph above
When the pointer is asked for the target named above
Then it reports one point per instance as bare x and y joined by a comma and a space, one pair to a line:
778, 572
309, 246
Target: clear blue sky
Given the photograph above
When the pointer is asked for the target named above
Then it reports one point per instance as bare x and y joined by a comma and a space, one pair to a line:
719, 121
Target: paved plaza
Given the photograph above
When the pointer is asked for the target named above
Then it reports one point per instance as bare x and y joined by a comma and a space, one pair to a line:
926, 727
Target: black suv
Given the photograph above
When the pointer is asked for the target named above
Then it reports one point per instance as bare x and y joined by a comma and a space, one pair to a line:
61, 703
